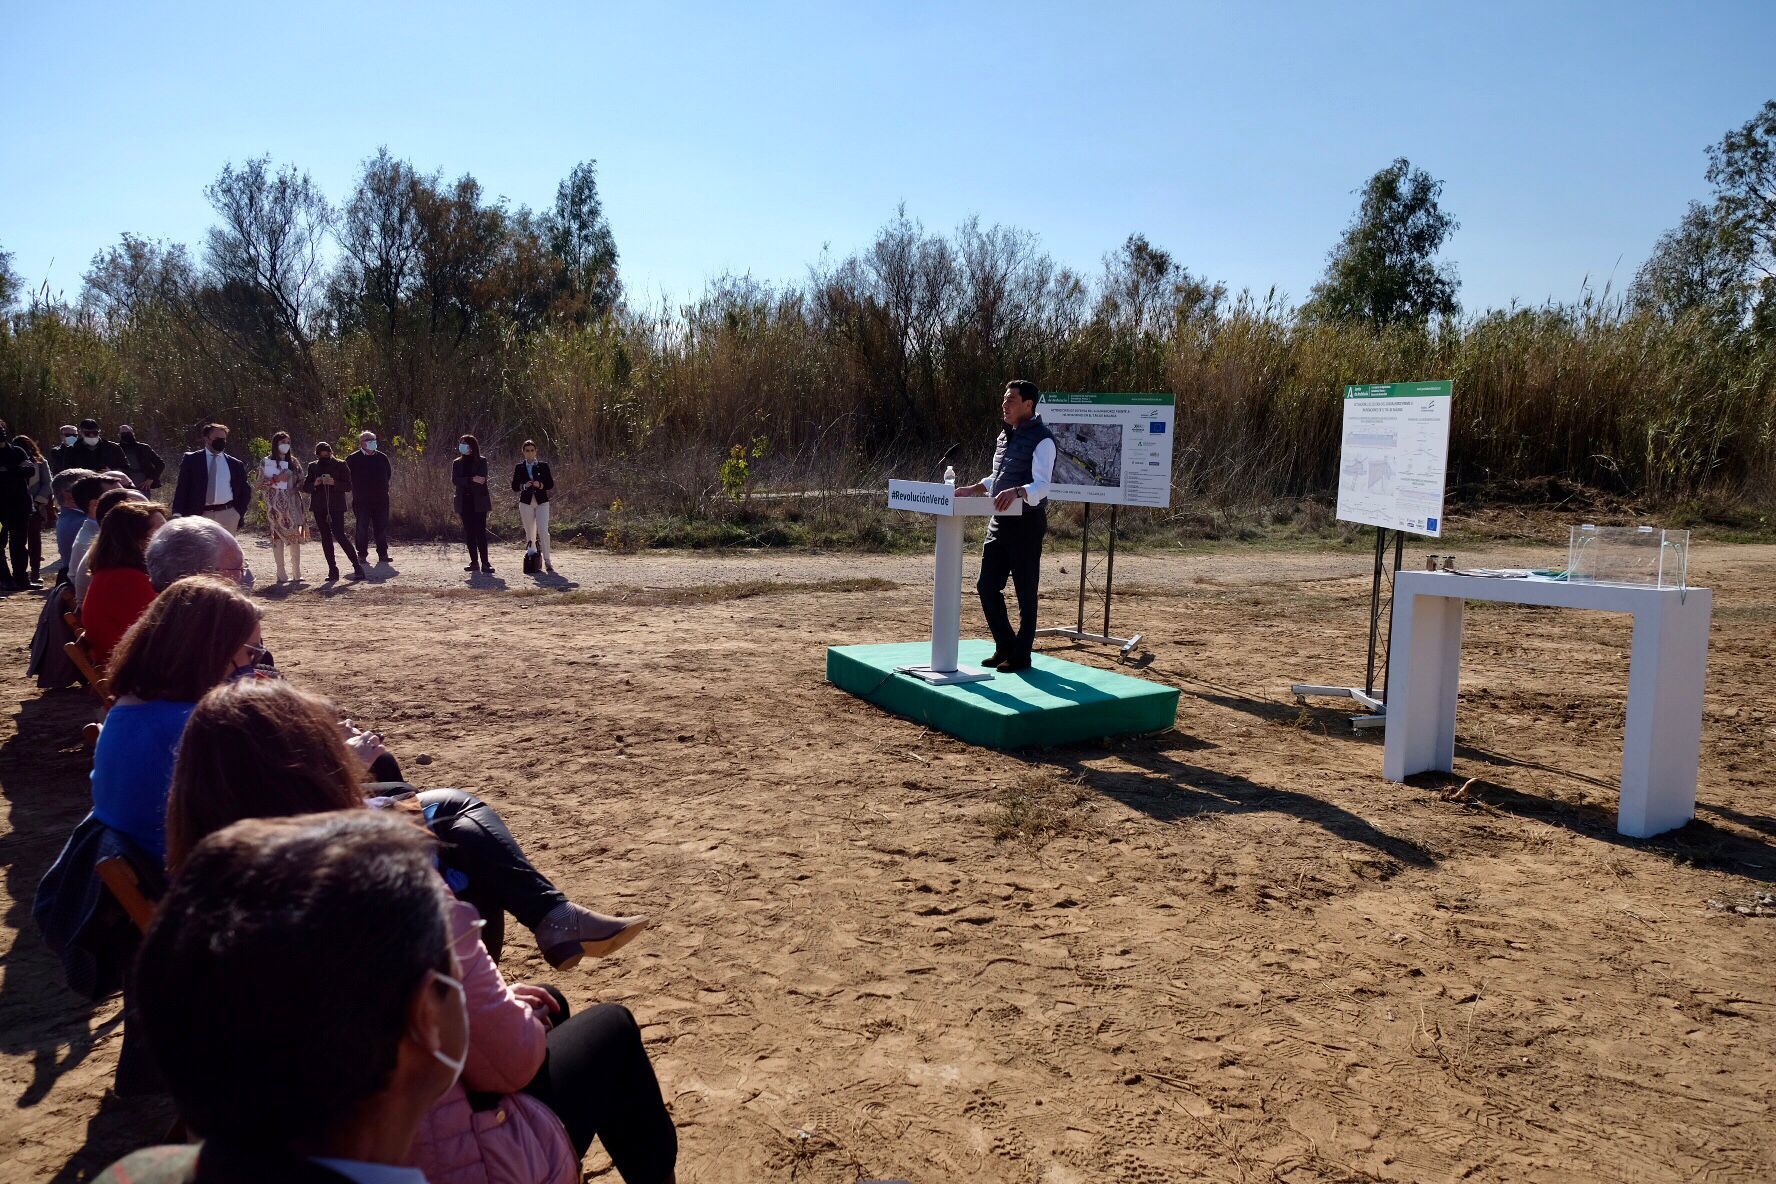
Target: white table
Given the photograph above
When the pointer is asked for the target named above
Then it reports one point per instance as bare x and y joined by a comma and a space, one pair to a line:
939, 500
1668, 664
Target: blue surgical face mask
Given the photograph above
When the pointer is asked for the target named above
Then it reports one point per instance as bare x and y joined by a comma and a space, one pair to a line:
463, 448
369, 446
70, 440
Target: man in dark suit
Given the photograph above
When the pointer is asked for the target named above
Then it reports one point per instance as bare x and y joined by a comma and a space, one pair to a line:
212, 483
141, 462
303, 1003
370, 475
327, 483
88, 449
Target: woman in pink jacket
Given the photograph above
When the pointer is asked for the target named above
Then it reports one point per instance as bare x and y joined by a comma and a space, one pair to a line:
536, 1084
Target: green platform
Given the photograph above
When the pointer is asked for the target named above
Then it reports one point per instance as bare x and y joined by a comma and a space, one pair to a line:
1053, 702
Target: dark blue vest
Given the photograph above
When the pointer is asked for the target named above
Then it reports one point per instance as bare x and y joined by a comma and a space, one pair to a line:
1013, 455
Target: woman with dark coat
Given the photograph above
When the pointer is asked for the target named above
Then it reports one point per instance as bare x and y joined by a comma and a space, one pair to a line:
532, 481
468, 472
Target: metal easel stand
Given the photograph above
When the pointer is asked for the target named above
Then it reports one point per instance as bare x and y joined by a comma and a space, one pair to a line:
1377, 704
1127, 645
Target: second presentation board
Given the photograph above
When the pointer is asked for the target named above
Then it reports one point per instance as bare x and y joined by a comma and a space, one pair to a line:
1111, 449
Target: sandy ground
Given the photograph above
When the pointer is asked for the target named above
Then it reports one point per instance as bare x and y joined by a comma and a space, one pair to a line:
1228, 952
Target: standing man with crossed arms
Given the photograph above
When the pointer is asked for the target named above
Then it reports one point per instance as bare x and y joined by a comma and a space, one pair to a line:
1023, 467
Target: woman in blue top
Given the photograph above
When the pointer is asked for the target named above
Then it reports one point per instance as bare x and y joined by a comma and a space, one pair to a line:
194, 636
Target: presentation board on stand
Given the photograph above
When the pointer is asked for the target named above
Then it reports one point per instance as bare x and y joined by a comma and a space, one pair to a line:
1114, 450
1393, 463
1394, 455
1111, 450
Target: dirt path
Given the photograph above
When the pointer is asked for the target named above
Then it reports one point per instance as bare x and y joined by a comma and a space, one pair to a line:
1229, 951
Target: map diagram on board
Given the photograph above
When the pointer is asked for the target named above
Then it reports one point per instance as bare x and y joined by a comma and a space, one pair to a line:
1113, 449
1394, 456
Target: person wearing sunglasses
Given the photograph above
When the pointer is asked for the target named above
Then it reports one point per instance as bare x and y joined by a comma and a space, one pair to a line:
538, 1084
195, 636
303, 1003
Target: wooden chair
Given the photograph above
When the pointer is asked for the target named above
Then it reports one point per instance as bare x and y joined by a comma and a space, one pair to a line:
96, 682
121, 881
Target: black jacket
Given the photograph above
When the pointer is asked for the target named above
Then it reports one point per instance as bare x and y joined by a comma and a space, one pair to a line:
328, 499
519, 480
193, 491
100, 458
17, 471
142, 463
470, 497
370, 478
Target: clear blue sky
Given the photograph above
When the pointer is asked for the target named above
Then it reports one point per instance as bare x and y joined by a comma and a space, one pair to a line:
747, 136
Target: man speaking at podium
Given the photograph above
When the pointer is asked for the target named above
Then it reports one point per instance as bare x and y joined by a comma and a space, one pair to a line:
1023, 466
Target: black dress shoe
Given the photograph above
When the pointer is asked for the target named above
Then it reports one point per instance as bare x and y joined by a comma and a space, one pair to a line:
993, 660
487, 569
473, 567
1014, 664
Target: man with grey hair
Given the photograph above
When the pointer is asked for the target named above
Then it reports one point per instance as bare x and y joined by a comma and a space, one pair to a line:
194, 546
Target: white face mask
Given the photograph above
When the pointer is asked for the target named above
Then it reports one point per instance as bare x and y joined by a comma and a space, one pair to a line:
369, 446
69, 440
454, 1064
283, 450
90, 439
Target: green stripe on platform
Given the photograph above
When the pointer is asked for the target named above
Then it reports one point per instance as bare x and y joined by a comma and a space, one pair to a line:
1053, 702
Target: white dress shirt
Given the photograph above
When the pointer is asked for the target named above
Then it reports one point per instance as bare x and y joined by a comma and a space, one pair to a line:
221, 488
1042, 467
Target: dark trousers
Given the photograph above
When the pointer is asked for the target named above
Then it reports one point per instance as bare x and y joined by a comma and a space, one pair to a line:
34, 535
330, 525
1014, 548
501, 878
598, 1080
475, 537
373, 520
13, 532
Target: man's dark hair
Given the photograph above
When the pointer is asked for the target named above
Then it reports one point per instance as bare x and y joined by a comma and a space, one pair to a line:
90, 489
112, 498
89, 425
1025, 388
274, 985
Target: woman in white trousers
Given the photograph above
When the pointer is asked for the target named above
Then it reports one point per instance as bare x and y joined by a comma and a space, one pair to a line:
532, 481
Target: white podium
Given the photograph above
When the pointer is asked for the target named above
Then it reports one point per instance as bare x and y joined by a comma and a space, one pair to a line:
939, 500
1667, 667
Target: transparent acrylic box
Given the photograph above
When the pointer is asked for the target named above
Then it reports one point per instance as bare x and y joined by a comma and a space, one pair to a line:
1643, 556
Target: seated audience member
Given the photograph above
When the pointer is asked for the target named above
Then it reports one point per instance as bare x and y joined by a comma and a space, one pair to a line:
85, 495
118, 592
261, 748
201, 631
194, 547
194, 635
80, 574
68, 515
482, 862
338, 918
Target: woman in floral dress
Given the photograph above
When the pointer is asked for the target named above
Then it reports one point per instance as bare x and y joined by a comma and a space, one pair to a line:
280, 480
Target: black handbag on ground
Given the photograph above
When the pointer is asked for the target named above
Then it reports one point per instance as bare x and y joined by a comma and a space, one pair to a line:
533, 561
